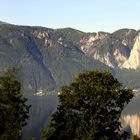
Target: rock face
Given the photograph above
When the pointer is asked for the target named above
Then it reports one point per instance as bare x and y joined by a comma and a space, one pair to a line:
131, 116
94, 46
111, 49
133, 61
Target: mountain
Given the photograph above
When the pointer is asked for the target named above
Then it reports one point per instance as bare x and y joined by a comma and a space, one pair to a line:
133, 61
49, 58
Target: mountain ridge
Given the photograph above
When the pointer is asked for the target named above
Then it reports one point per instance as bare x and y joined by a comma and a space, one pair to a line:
50, 58
38, 51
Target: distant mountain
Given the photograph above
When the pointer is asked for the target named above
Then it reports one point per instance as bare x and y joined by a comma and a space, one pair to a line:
47, 58
51, 58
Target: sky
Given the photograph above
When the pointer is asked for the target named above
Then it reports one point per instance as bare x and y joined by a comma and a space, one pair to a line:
84, 15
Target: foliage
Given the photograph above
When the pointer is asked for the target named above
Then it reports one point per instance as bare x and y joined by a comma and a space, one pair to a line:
89, 109
31, 138
13, 110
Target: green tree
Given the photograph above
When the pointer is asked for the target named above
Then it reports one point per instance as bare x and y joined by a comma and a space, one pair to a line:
89, 109
13, 108
31, 138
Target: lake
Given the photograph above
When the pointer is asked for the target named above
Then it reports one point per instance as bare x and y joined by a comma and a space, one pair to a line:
44, 106
131, 116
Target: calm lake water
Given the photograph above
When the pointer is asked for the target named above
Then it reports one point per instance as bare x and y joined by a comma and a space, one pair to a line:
134, 106
42, 108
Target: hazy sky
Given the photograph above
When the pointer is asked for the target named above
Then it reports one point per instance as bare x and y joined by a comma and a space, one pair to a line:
85, 15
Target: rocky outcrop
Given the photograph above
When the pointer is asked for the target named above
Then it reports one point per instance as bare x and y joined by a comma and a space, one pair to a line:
133, 61
110, 49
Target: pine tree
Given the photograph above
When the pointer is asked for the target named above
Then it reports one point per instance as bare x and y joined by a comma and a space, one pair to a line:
13, 108
89, 109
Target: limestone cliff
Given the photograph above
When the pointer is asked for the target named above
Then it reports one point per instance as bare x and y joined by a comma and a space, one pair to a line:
133, 61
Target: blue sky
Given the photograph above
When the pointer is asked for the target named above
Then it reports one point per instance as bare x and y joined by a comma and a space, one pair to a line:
85, 15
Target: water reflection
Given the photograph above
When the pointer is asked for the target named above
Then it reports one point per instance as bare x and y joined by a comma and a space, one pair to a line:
42, 108
131, 116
